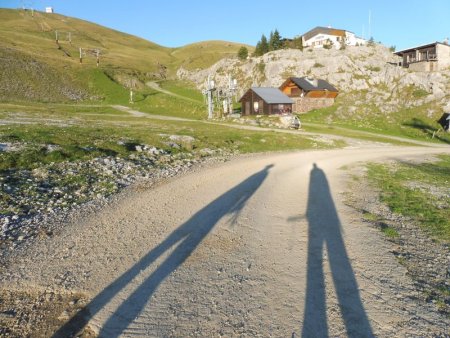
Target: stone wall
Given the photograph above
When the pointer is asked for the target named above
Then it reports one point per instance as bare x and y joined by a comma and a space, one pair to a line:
424, 66
443, 53
305, 104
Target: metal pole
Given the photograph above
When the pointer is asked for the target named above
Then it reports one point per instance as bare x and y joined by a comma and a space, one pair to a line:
210, 104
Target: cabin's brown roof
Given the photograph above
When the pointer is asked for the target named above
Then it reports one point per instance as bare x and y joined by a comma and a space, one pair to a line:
308, 84
323, 30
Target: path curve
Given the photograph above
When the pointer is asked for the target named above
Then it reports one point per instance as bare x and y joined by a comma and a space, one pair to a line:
157, 87
349, 140
259, 246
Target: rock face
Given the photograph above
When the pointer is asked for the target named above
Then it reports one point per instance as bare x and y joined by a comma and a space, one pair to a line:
370, 70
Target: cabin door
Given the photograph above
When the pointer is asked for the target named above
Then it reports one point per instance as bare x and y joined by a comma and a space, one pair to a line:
247, 108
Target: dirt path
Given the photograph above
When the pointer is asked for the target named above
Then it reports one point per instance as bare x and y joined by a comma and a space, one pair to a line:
350, 140
157, 87
261, 246
393, 138
137, 113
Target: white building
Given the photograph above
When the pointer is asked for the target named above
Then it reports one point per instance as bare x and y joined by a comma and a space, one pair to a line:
322, 36
48, 9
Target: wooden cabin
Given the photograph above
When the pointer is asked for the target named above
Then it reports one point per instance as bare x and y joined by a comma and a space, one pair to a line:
307, 87
265, 101
309, 94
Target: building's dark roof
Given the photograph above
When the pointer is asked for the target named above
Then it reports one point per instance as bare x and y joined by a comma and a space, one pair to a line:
323, 30
272, 95
308, 84
401, 52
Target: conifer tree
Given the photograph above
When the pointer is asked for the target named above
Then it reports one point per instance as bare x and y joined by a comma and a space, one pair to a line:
264, 45
276, 43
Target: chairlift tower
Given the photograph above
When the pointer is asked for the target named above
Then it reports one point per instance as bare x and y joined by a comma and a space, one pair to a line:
209, 92
232, 87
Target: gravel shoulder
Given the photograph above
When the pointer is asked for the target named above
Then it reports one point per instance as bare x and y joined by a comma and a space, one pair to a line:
258, 246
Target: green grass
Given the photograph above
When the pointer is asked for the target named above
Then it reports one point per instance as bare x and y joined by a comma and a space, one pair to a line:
410, 123
351, 132
419, 93
102, 87
429, 210
183, 88
80, 133
38, 69
389, 232
204, 54
162, 104
373, 69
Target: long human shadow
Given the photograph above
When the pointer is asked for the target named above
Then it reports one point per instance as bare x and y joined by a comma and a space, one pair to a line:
325, 232
188, 235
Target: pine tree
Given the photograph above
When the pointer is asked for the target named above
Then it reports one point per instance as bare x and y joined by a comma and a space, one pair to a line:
264, 45
271, 41
258, 51
276, 40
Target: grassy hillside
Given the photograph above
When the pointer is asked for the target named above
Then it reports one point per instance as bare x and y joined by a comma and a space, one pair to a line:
36, 35
34, 67
204, 54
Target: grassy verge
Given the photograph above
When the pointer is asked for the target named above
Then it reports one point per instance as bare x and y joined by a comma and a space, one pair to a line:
414, 123
183, 88
72, 133
352, 133
418, 191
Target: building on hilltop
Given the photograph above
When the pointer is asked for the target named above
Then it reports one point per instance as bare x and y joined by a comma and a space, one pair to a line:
49, 10
326, 36
265, 101
431, 57
308, 93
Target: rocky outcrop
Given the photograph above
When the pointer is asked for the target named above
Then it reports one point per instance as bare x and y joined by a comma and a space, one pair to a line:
369, 70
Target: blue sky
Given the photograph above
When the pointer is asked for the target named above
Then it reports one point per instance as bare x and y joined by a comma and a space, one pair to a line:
179, 22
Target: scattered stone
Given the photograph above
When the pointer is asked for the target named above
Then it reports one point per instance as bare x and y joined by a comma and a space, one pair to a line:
33, 199
64, 316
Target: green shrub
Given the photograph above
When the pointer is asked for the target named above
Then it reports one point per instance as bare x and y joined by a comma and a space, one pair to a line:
243, 53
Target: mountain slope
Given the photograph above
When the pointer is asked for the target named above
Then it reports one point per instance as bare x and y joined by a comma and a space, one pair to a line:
31, 39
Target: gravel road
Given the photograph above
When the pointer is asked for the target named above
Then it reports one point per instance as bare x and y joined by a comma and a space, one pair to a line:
259, 246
